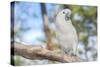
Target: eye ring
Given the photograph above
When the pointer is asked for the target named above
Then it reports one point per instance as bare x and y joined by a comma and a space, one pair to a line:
63, 12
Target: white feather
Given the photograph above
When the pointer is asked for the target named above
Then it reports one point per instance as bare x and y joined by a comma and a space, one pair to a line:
66, 33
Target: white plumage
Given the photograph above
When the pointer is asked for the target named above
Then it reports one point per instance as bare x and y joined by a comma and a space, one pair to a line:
66, 33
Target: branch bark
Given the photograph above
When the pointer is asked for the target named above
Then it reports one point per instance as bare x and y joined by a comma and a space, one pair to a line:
37, 52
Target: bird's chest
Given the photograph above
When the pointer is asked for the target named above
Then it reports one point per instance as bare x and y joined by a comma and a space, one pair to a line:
65, 29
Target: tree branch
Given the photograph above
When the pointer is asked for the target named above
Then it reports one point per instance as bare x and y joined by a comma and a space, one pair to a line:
47, 30
37, 52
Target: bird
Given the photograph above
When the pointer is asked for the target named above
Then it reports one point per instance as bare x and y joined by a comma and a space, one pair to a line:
66, 32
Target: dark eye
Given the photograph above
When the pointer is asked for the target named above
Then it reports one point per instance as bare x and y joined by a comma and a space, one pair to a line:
63, 12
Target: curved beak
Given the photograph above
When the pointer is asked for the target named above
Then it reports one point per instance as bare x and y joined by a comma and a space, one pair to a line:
67, 17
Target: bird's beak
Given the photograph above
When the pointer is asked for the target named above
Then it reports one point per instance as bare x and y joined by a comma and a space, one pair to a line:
67, 17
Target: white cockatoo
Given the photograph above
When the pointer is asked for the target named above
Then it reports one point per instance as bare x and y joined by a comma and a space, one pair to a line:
66, 33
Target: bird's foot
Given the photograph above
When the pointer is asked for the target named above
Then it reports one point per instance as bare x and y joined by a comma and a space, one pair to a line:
73, 54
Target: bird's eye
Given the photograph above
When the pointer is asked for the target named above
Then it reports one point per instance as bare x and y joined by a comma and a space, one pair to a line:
63, 12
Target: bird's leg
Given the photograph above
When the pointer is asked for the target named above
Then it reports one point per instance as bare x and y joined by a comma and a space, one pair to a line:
73, 53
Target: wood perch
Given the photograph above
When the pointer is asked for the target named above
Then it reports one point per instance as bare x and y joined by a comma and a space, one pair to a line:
37, 52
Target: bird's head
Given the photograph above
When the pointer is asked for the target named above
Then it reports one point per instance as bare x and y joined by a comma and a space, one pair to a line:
64, 14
